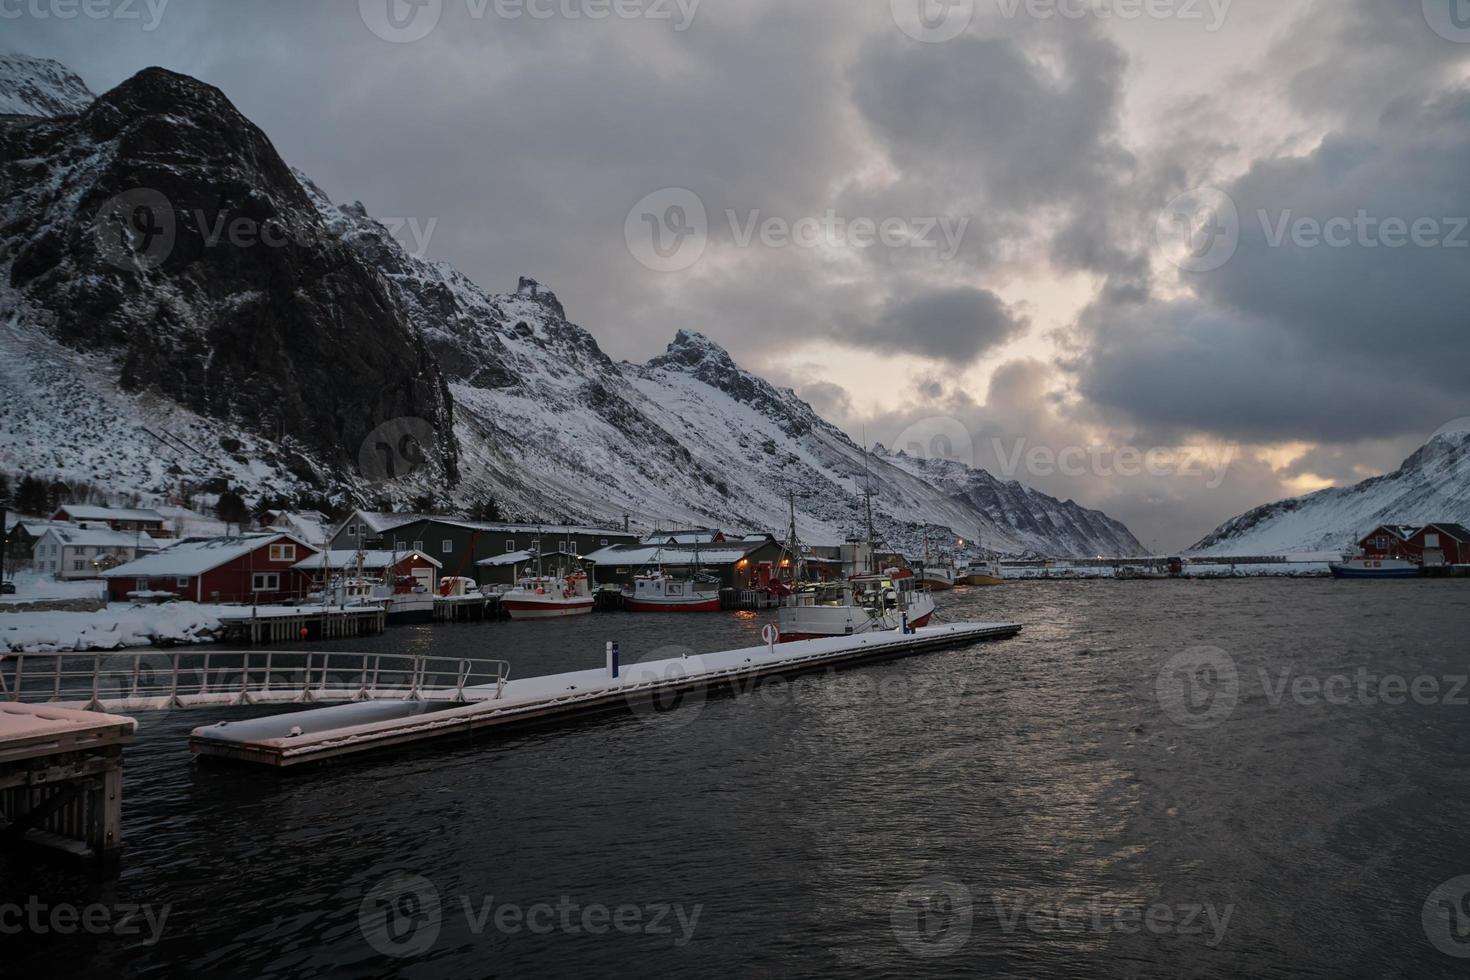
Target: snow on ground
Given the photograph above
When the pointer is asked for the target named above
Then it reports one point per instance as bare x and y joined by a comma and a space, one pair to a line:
119, 625
30, 585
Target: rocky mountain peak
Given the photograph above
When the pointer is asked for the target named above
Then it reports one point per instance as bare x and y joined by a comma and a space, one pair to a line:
40, 87
528, 288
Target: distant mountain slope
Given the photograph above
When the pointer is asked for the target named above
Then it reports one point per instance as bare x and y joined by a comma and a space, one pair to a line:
1431, 485
40, 87
550, 425
267, 365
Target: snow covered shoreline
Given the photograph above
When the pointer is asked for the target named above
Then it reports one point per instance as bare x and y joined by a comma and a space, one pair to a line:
113, 628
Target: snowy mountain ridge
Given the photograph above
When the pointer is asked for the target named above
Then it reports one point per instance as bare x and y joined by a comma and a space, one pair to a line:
1432, 485
268, 368
40, 87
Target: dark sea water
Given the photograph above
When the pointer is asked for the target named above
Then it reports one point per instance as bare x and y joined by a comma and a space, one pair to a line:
1149, 781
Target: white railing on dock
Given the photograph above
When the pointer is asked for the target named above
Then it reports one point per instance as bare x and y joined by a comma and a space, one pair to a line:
155, 681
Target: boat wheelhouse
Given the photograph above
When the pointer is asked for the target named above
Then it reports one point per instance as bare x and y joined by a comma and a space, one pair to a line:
661, 592
866, 603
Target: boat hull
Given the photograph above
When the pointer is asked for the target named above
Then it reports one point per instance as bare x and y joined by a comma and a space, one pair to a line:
793, 637
545, 609
701, 605
1354, 571
983, 580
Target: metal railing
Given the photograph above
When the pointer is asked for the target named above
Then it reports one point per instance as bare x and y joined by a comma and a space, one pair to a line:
149, 680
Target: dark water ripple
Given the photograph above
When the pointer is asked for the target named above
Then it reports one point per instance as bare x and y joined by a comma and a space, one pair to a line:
1038, 775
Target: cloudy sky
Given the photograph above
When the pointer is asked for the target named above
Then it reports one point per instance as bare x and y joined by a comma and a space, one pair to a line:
1170, 258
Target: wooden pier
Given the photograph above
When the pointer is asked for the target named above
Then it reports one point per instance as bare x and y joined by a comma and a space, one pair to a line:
315, 735
466, 608
61, 779
275, 625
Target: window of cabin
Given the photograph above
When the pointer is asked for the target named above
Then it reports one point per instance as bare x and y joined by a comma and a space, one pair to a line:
140, 585
352, 530
265, 582
446, 546
181, 583
76, 566
418, 546
510, 545
283, 552
1431, 540
603, 543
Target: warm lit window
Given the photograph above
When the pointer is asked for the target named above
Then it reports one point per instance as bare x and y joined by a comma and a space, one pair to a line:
283, 552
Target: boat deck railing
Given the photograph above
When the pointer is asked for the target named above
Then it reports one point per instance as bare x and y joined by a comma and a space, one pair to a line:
152, 680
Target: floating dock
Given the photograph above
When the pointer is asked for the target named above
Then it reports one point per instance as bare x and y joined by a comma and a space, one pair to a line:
61, 778
311, 736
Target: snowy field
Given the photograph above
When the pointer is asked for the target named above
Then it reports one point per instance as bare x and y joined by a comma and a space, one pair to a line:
31, 585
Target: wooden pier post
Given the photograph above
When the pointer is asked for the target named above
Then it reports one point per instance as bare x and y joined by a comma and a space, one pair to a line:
61, 779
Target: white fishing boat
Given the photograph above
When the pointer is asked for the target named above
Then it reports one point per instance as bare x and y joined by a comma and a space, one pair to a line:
867, 603
1363, 566
661, 592
548, 597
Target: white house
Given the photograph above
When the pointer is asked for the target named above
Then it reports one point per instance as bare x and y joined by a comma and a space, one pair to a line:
71, 552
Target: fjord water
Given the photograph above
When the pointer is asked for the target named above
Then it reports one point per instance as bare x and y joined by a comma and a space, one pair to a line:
1026, 808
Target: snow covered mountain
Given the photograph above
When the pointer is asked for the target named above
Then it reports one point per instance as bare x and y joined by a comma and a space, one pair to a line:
40, 87
1431, 485
267, 366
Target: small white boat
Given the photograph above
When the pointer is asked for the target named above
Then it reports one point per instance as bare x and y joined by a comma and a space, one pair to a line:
548, 597
666, 593
940, 578
863, 604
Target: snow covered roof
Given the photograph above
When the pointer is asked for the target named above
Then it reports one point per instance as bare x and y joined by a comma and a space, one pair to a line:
520, 558
725, 554
380, 521
87, 512
370, 559
195, 556
551, 529
698, 535
311, 526
100, 537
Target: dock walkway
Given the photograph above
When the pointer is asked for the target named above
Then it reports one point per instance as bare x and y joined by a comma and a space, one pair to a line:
309, 736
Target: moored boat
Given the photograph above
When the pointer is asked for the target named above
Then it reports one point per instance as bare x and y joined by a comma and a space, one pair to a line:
1362, 566
867, 603
548, 597
982, 572
666, 593
940, 578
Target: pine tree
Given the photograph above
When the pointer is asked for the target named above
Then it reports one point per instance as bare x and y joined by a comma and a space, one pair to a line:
30, 497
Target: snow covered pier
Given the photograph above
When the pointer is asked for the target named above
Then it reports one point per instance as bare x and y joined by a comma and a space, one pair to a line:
61, 779
314, 735
289, 624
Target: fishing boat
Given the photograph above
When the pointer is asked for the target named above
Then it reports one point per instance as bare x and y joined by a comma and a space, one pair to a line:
982, 572
1361, 566
940, 578
661, 592
866, 603
548, 597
